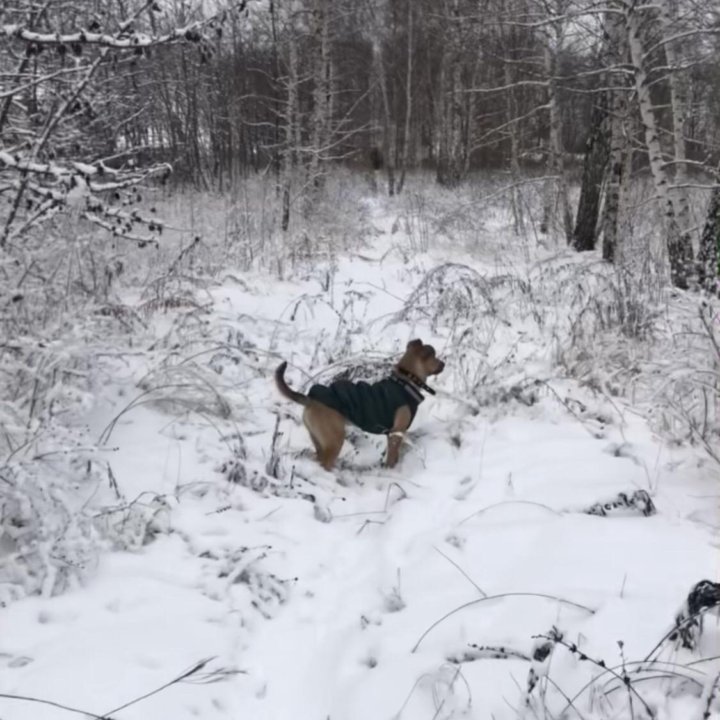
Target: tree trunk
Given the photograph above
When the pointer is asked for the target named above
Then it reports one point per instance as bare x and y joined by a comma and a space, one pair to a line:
709, 254
405, 155
321, 100
619, 153
515, 194
276, 156
452, 148
451, 159
389, 127
292, 131
619, 150
597, 152
678, 103
679, 249
556, 190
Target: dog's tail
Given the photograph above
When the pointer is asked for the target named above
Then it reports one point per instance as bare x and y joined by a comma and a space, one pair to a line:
285, 389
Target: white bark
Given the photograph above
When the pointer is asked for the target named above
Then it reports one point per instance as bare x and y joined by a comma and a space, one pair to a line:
678, 101
678, 244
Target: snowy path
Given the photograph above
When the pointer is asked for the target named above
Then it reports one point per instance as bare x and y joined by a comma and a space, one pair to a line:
319, 605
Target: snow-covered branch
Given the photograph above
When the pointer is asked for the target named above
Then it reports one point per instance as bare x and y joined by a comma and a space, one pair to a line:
126, 41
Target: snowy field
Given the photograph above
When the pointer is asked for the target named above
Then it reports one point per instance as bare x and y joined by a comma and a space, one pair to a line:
479, 579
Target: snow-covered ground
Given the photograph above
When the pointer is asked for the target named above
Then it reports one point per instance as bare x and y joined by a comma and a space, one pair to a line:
416, 593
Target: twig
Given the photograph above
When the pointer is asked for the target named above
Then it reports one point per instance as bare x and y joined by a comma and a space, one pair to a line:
510, 502
555, 637
450, 687
462, 572
567, 699
626, 679
566, 405
711, 696
689, 620
8, 696
659, 676
498, 597
192, 671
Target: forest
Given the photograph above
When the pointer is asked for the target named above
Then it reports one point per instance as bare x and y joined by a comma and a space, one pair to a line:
193, 191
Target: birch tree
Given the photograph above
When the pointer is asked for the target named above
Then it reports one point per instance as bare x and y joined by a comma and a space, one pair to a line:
673, 43
679, 248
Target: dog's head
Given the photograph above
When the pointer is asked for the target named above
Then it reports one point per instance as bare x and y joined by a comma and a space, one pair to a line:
420, 359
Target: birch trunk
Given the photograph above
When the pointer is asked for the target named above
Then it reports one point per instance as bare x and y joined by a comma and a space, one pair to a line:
678, 101
678, 243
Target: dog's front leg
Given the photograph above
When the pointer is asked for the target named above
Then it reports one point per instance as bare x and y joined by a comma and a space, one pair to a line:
396, 435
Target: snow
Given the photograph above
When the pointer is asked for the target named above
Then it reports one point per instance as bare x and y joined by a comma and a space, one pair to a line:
347, 596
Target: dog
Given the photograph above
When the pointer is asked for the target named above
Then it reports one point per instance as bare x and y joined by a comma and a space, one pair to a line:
387, 407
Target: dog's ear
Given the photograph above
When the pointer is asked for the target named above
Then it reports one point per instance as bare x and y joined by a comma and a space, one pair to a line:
415, 344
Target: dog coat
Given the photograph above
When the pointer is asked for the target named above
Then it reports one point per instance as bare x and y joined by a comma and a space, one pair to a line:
370, 407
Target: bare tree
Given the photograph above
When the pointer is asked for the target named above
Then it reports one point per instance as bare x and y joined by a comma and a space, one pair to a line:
57, 148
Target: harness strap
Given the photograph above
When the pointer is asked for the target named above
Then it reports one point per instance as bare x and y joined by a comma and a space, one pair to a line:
406, 377
409, 386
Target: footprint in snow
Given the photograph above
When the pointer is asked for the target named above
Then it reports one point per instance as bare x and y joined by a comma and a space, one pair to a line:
464, 487
14, 661
393, 602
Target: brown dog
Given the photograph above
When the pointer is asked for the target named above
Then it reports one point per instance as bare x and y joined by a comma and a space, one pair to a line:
386, 407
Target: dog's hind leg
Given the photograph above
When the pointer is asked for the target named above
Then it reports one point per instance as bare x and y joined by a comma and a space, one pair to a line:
330, 454
316, 444
327, 431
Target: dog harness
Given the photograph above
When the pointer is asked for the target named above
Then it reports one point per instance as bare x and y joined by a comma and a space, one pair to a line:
371, 407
